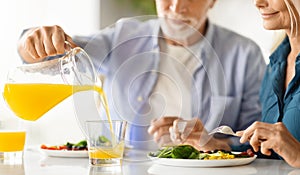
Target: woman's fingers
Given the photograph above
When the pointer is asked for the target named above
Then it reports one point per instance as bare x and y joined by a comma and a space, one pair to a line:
265, 148
247, 134
261, 136
239, 133
255, 142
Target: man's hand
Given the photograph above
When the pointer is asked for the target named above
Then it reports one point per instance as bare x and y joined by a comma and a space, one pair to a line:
159, 128
196, 135
174, 131
40, 42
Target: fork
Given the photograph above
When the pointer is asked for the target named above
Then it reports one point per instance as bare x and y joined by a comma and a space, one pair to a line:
223, 130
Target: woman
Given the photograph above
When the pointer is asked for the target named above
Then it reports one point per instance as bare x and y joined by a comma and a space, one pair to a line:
278, 134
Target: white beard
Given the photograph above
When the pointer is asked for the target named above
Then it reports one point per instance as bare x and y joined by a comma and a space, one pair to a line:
179, 31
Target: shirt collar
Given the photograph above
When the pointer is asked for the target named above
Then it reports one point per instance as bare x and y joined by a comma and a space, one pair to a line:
200, 48
156, 32
204, 44
209, 32
208, 35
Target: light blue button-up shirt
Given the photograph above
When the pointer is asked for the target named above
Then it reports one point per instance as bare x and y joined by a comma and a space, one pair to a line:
225, 85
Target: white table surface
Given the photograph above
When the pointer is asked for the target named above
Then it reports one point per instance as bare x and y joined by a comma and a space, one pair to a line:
135, 162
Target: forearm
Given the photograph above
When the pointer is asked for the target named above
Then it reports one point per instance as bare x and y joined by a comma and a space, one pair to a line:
296, 164
291, 152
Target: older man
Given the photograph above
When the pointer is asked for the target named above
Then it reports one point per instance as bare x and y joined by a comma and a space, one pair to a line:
158, 70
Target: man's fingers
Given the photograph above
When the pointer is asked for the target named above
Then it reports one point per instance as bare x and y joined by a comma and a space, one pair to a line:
165, 141
161, 122
70, 40
179, 126
160, 132
152, 129
175, 137
30, 49
40, 49
58, 39
49, 47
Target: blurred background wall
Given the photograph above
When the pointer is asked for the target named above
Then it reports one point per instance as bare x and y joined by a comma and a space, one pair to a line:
82, 17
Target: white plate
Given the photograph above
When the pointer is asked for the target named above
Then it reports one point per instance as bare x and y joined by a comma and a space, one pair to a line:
64, 153
202, 163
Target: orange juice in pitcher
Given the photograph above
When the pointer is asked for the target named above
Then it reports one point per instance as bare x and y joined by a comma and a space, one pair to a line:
31, 101
32, 90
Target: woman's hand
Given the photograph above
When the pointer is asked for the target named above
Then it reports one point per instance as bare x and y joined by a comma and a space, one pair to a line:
266, 137
40, 42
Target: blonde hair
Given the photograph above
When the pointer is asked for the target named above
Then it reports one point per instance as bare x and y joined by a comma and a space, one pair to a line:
279, 36
293, 7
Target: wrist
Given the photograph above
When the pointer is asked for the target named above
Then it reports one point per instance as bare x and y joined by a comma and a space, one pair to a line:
222, 144
216, 144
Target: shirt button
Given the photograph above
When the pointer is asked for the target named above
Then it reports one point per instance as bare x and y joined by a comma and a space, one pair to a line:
140, 98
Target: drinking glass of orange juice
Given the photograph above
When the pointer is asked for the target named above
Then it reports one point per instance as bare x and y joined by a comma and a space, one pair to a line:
106, 142
12, 141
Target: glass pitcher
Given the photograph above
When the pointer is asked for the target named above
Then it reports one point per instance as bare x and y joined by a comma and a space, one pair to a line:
33, 89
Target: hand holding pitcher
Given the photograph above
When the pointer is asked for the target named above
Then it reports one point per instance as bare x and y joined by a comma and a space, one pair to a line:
33, 89
40, 42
